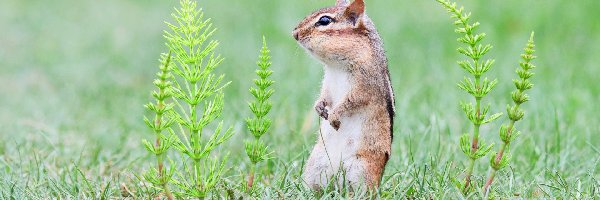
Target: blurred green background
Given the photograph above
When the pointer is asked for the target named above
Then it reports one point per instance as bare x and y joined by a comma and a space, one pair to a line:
74, 76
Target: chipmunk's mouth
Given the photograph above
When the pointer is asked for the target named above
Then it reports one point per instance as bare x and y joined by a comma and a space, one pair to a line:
302, 42
300, 39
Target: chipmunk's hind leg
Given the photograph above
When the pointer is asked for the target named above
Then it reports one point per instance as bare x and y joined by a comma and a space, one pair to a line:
373, 164
353, 174
317, 170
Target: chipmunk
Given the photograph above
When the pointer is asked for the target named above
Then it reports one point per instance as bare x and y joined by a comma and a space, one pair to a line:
356, 103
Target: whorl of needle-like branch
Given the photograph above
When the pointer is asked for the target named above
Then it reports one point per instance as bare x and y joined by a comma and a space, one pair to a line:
478, 87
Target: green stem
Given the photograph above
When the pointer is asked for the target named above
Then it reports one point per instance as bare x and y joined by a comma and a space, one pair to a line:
193, 132
505, 144
162, 174
489, 181
198, 174
195, 139
468, 177
475, 140
500, 153
251, 174
499, 156
160, 157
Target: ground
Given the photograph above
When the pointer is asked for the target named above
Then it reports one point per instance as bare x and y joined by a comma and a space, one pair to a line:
74, 76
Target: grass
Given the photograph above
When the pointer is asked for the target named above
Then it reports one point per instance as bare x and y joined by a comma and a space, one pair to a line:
75, 74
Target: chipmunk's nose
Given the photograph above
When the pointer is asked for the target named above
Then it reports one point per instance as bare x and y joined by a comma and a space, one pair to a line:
295, 33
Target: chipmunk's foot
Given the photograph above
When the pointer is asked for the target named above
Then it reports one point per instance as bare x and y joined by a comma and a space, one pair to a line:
334, 121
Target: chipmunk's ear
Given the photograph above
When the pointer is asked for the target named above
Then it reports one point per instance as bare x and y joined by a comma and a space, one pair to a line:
355, 10
341, 2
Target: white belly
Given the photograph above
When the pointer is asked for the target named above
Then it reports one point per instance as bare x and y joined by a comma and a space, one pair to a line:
336, 150
337, 82
343, 143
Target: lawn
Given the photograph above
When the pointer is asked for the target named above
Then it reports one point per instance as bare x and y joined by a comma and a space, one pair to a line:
74, 76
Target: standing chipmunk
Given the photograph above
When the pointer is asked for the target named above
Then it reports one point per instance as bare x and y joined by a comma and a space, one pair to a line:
356, 101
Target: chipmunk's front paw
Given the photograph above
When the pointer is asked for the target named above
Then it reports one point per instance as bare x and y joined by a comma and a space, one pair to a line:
321, 109
334, 121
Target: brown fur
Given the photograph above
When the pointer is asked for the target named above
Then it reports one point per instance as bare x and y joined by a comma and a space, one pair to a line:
352, 42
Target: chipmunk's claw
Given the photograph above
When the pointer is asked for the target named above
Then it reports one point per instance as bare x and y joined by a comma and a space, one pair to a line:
322, 110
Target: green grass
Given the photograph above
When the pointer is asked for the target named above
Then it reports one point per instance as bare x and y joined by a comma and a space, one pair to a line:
74, 76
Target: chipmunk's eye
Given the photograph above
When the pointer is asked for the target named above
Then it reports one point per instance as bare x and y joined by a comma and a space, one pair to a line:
324, 21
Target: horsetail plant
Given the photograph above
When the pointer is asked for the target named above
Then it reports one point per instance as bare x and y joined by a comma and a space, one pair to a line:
198, 99
477, 87
159, 176
508, 133
259, 125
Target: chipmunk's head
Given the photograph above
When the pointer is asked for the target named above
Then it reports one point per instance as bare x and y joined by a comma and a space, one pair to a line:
336, 33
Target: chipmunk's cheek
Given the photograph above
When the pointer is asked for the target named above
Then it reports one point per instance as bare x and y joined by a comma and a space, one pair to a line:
310, 49
313, 49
